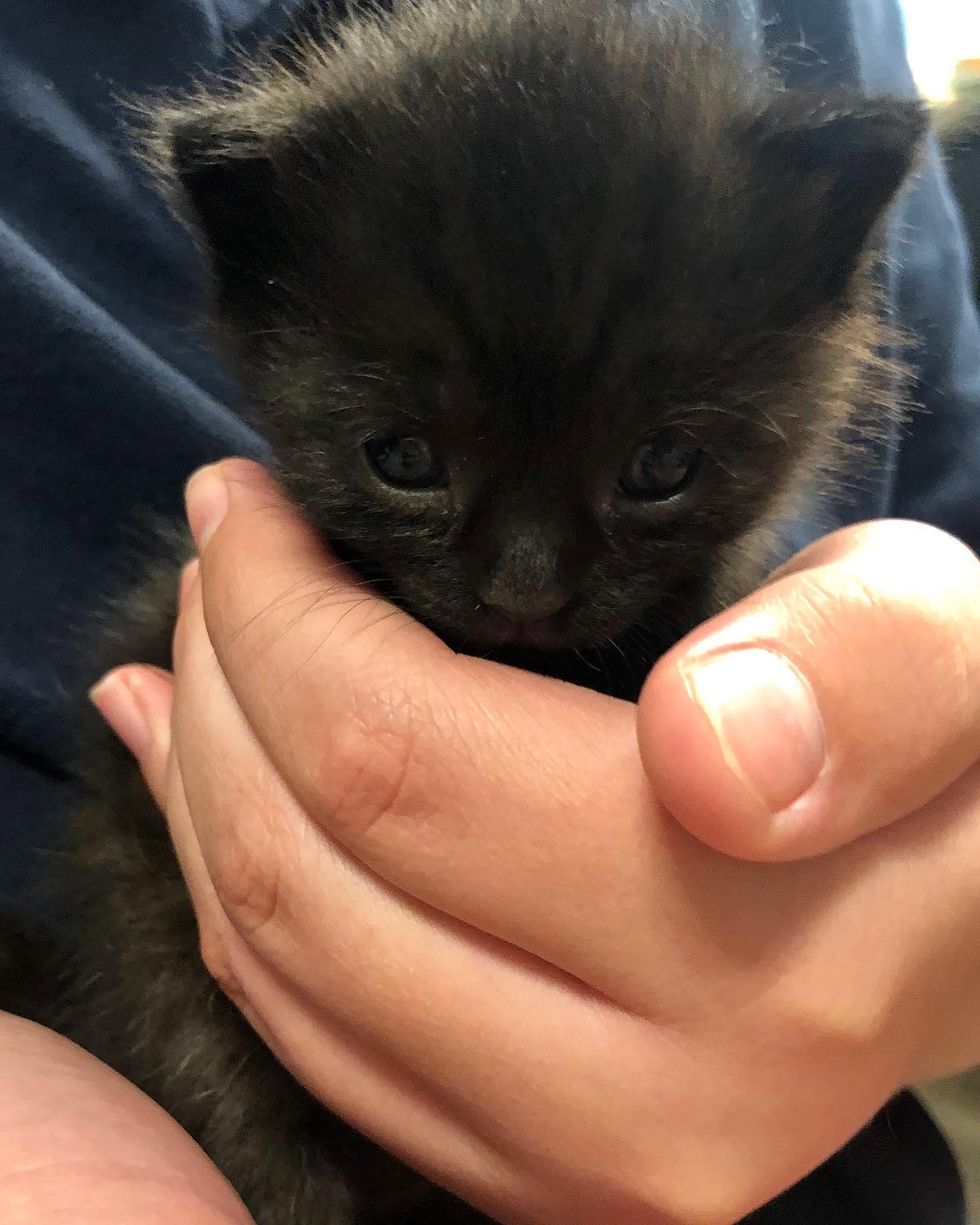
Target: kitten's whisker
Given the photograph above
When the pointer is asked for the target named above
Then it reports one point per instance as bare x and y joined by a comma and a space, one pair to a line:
589, 663
611, 642
354, 605
279, 331
291, 595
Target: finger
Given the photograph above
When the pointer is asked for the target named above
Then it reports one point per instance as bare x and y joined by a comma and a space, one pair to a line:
78, 1143
425, 764
837, 699
135, 700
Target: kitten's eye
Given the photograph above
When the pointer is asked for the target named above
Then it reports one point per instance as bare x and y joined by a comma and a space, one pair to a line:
660, 467
405, 462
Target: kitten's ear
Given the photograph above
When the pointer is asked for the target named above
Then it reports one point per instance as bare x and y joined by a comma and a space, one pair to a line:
231, 191
846, 158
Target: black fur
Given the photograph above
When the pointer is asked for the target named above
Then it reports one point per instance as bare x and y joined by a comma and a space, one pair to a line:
533, 232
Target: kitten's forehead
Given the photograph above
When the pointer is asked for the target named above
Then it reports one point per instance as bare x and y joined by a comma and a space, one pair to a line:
535, 191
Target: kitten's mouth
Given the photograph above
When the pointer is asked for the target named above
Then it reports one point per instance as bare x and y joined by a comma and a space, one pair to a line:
543, 634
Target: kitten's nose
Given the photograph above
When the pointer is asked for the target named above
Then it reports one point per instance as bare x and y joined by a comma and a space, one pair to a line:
524, 607
525, 576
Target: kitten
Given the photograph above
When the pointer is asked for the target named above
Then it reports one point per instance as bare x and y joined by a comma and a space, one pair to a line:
552, 311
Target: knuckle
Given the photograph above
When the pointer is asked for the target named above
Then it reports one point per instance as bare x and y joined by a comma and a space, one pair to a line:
245, 872
216, 956
374, 770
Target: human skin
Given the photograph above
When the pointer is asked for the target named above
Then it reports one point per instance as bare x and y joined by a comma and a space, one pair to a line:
79, 1144
504, 925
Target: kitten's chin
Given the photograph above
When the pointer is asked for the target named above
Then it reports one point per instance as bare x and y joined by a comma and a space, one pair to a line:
495, 631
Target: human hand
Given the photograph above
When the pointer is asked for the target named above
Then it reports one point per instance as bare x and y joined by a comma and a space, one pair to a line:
446, 895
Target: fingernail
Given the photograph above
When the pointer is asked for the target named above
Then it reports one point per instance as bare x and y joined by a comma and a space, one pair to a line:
766, 719
115, 698
206, 498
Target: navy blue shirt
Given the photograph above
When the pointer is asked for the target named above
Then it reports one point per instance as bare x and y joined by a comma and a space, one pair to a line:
108, 399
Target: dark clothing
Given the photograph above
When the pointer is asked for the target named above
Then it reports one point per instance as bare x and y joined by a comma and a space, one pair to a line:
108, 400
962, 153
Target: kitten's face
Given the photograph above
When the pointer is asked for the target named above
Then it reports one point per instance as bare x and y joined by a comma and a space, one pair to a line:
540, 500
548, 331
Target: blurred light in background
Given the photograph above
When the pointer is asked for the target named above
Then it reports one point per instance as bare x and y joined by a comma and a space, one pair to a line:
943, 39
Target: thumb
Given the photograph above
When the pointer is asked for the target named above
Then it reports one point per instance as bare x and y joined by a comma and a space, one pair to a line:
838, 698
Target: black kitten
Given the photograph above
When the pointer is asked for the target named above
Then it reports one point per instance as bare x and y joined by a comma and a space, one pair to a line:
552, 311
